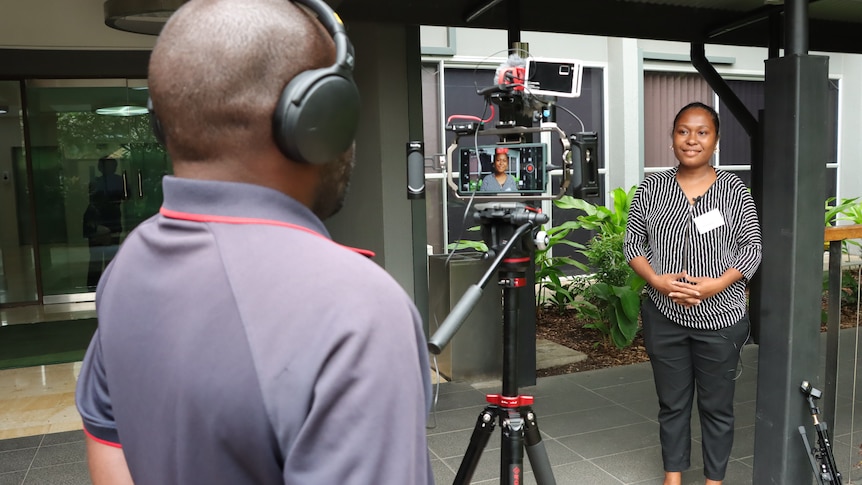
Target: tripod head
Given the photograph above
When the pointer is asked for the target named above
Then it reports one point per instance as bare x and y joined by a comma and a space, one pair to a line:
500, 221
811, 394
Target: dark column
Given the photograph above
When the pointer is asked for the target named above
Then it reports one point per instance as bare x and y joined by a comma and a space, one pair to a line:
795, 145
419, 226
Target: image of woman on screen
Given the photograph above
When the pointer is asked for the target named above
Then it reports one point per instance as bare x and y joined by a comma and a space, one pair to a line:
499, 180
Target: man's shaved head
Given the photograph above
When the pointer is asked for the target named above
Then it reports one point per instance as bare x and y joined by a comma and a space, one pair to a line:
219, 67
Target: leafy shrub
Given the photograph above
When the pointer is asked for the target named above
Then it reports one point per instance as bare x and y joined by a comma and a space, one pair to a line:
614, 295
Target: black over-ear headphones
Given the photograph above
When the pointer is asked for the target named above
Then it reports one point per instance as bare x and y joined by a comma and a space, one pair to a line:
317, 115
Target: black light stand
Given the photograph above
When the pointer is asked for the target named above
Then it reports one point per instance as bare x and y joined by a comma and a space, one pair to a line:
504, 225
821, 458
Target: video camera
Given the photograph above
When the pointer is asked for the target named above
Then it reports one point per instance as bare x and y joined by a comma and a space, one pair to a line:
521, 93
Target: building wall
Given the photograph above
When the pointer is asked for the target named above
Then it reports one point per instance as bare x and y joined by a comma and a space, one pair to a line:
625, 61
79, 25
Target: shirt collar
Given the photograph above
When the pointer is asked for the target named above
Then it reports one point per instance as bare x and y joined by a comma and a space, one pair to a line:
237, 200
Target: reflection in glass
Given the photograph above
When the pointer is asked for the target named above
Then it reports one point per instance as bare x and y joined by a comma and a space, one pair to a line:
17, 263
95, 178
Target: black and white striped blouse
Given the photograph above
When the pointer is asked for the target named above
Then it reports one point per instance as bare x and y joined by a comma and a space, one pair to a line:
705, 239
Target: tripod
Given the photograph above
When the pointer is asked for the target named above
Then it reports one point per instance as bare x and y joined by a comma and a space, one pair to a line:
821, 458
503, 226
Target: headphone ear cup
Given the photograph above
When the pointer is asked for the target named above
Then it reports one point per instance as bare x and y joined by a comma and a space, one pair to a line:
317, 116
155, 124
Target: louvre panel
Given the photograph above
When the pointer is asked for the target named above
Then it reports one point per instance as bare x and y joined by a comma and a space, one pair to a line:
664, 94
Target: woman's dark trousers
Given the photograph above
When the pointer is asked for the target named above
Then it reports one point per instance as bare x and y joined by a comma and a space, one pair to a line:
683, 359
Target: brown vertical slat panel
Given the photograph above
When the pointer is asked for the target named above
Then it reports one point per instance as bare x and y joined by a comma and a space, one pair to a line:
664, 94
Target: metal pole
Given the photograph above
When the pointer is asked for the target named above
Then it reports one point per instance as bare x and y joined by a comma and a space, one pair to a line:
796, 31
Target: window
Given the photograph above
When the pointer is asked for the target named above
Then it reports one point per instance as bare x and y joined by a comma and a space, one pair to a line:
665, 93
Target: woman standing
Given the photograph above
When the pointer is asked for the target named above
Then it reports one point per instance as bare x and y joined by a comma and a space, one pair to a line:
693, 235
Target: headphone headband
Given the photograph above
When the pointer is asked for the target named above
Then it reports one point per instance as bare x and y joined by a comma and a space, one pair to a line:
333, 24
317, 114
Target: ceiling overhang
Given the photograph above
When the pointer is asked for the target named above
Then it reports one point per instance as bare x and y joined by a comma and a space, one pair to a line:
833, 26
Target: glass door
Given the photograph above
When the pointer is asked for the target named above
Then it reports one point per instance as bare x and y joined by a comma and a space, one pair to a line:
18, 282
96, 171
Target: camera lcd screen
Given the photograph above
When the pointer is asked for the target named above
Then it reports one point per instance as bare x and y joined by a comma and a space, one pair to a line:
503, 169
554, 77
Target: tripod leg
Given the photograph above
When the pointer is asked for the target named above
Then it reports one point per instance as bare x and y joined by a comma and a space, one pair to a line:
481, 434
827, 457
536, 449
512, 448
814, 467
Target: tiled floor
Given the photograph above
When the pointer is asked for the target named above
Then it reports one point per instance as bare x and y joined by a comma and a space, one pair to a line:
38, 400
598, 427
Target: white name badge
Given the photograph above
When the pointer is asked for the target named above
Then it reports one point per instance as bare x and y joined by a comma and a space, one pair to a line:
709, 221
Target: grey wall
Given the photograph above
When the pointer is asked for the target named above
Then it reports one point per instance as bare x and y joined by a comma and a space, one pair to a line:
377, 214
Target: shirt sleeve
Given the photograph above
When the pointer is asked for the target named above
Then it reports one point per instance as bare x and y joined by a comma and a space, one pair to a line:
635, 242
366, 420
92, 397
748, 237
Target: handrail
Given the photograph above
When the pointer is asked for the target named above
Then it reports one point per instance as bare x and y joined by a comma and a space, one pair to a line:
835, 236
840, 233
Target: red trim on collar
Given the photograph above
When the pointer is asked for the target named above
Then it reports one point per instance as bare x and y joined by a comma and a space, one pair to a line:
188, 216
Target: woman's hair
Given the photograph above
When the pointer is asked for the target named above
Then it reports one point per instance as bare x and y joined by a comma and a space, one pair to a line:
695, 105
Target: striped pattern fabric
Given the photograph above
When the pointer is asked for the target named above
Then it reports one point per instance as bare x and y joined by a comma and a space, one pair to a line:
661, 227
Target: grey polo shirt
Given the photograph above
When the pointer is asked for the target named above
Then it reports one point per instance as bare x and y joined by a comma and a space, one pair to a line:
238, 344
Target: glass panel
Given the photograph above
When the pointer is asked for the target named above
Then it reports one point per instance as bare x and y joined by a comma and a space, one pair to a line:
96, 176
17, 263
735, 144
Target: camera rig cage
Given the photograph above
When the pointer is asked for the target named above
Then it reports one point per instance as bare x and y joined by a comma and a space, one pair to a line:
507, 133
519, 107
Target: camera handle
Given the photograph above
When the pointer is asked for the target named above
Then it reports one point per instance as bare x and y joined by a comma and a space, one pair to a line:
504, 225
821, 458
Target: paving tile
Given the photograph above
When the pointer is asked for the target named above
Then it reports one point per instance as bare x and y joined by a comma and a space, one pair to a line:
581, 422
68, 474
60, 454
20, 443
13, 478
16, 460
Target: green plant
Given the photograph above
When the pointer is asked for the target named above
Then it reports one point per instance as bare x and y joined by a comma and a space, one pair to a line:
615, 292
555, 289
847, 210
479, 246
598, 217
848, 291
611, 297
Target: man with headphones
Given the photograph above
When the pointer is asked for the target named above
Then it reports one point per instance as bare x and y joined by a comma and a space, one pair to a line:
237, 343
